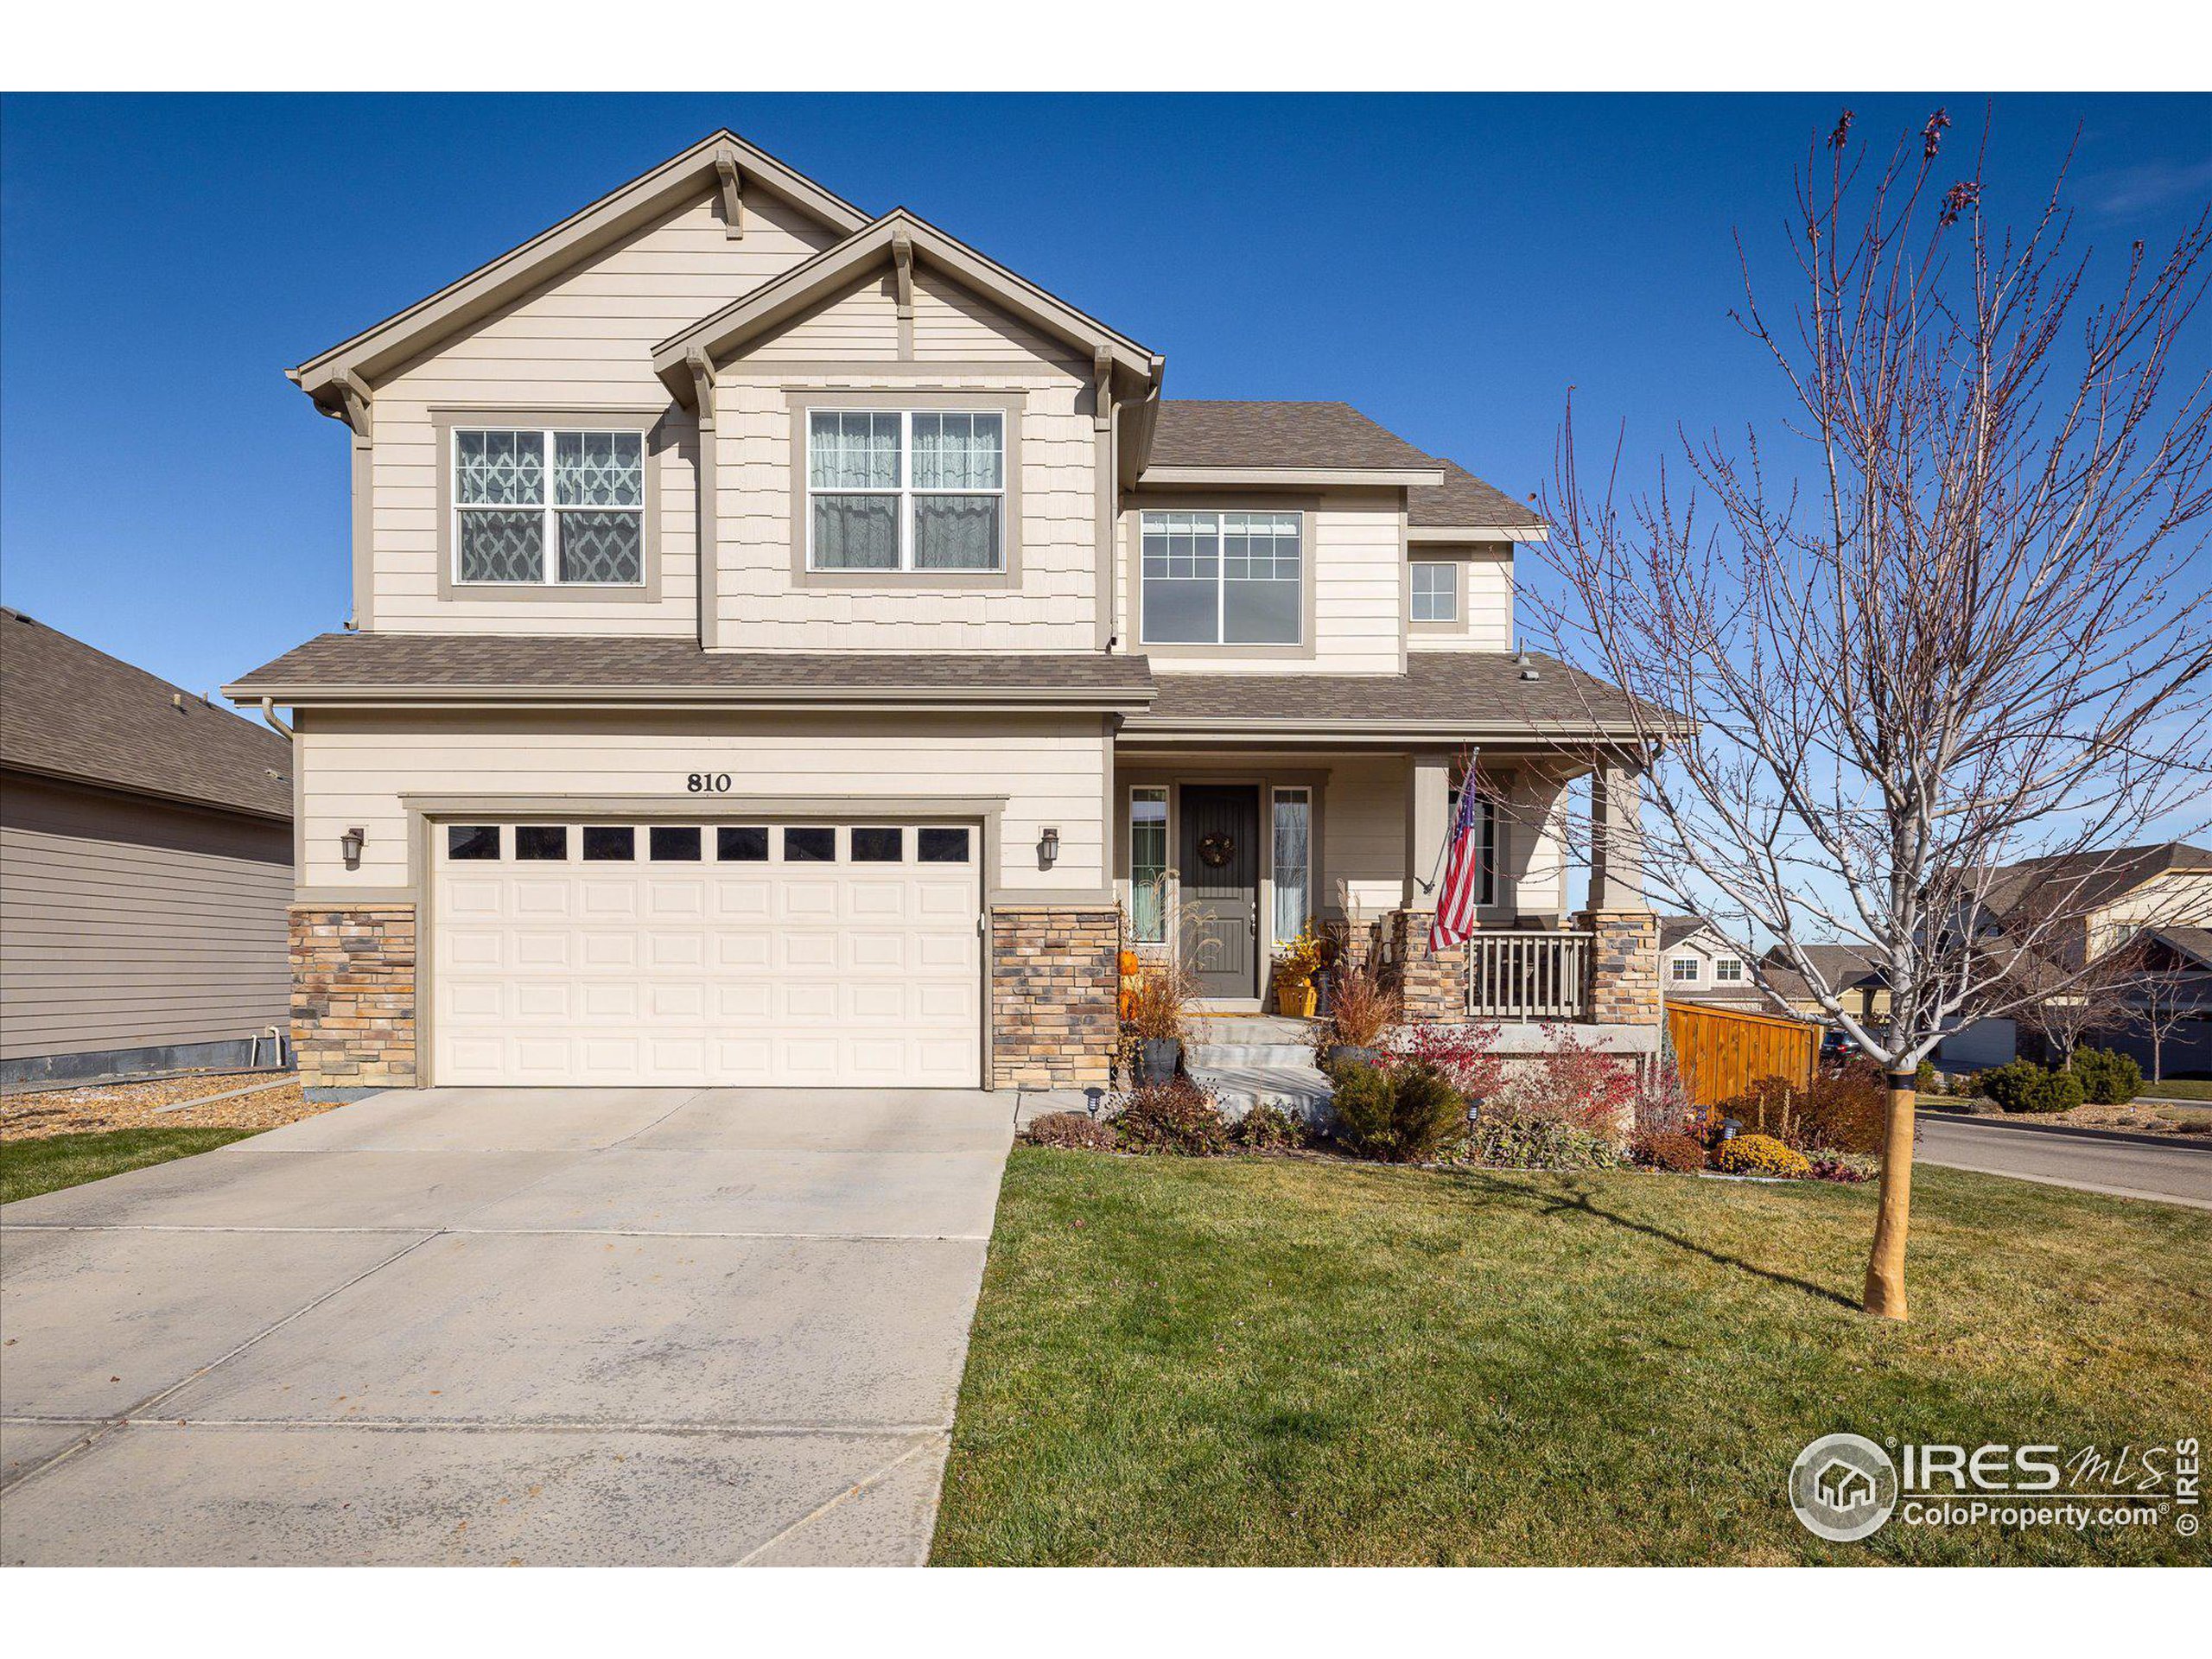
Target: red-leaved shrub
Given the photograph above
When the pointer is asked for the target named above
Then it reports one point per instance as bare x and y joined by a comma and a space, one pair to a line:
1671, 1149
1574, 1082
1462, 1055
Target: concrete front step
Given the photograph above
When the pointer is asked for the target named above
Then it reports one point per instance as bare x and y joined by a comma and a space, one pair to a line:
1249, 1054
1300, 1090
1208, 1030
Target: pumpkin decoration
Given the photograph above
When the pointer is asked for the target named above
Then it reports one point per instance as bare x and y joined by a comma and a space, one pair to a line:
1129, 964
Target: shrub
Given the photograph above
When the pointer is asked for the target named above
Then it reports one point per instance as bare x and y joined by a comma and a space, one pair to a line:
2023, 1086
1926, 1079
1761, 1154
1841, 1112
1465, 1055
1849, 1167
1362, 1009
1514, 1140
1072, 1130
1407, 1113
1266, 1127
1178, 1118
1673, 1149
2107, 1078
1155, 1003
1571, 1083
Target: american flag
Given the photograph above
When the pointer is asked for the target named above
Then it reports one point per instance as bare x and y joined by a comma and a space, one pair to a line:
1463, 876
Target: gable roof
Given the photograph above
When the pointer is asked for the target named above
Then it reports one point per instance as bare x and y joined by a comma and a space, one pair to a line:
1673, 930
70, 711
1844, 967
1465, 502
520, 269
570, 668
2191, 941
873, 245
2088, 879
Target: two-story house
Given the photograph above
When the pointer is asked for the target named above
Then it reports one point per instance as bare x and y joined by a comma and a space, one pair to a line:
789, 647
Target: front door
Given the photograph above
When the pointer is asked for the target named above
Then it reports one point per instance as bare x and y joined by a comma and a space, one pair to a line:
1220, 886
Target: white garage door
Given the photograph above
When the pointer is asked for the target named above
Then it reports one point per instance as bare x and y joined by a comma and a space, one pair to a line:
840, 955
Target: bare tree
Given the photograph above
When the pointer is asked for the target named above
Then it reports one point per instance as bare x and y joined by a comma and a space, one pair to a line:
2167, 993
1951, 614
2083, 1002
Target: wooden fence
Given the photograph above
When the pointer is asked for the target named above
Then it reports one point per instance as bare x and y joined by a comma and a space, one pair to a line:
1722, 1052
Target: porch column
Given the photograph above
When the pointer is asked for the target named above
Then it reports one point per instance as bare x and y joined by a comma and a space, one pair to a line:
1623, 988
1617, 839
1429, 820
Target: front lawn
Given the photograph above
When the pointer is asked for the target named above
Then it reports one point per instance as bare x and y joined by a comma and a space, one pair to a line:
1278, 1361
30, 1167
2177, 1088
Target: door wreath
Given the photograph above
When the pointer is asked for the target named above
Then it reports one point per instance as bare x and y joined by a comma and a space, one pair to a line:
1217, 849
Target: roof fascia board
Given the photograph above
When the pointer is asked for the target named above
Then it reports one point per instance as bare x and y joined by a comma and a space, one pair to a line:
1478, 532
1386, 477
519, 271
1009, 697
140, 791
722, 335
1169, 727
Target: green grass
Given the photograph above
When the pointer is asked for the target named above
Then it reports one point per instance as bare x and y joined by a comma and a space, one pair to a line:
30, 1167
2177, 1088
1274, 1361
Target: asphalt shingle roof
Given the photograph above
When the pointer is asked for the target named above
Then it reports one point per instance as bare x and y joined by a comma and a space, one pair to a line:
574, 662
69, 710
1479, 687
1463, 499
1202, 432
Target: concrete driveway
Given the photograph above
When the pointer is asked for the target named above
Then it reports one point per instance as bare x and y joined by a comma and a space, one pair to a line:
484, 1327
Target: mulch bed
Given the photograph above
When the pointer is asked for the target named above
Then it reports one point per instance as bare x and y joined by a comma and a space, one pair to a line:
101, 1106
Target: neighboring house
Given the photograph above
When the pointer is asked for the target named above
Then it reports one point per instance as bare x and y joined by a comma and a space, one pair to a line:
789, 647
145, 869
1698, 964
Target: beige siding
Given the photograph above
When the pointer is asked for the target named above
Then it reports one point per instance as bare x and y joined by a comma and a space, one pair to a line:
1054, 607
1485, 599
584, 342
2173, 898
126, 923
355, 768
1356, 542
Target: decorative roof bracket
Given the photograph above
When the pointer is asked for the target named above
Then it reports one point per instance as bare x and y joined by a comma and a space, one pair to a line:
1102, 368
702, 385
732, 193
355, 392
902, 264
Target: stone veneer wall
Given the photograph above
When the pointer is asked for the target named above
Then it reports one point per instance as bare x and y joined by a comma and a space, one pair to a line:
353, 995
1623, 967
1433, 987
1054, 1024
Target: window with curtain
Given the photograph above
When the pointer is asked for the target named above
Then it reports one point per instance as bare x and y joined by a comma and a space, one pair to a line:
548, 507
1221, 578
1436, 591
905, 489
1294, 862
1148, 865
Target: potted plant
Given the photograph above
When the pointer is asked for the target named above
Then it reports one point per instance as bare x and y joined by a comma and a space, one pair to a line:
1362, 1011
1293, 976
1152, 1016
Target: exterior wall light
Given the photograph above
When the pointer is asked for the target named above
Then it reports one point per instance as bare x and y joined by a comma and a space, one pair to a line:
1048, 848
349, 846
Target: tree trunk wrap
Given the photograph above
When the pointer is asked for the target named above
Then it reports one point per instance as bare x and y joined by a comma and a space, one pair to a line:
1885, 1297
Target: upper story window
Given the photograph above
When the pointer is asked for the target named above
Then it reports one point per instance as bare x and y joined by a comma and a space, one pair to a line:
548, 507
1222, 578
1682, 970
905, 489
1729, 970
1436, 592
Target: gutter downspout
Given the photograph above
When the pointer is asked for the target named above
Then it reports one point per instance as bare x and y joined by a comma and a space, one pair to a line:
276, 723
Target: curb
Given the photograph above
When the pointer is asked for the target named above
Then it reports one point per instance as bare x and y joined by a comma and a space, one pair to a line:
2074, 1132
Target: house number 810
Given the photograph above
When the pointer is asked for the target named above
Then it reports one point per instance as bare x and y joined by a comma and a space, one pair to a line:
710, 783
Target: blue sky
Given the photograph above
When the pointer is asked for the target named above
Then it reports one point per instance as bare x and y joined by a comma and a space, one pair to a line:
1452, 265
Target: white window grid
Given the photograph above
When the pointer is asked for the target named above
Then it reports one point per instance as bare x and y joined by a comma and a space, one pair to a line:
1224, 547
903, 488
1436, 591
1682, 970
550, 507
1729, 970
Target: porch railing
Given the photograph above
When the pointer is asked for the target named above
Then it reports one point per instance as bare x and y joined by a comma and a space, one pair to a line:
1528, 976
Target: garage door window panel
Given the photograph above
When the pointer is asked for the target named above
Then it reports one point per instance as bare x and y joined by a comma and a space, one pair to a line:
872, 845
606, 844
741, 844
810, 846
678, 843
936, 845
541, 842
472, 841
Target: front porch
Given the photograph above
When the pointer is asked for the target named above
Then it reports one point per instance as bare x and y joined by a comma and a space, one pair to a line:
1225, 855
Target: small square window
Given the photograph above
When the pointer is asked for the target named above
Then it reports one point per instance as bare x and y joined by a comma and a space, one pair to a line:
876, 846
609, 843
1683, 970
541, 841
941, 846
810, 846
1436, 592
674, 843
741, 844
472, 841
1730, 969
